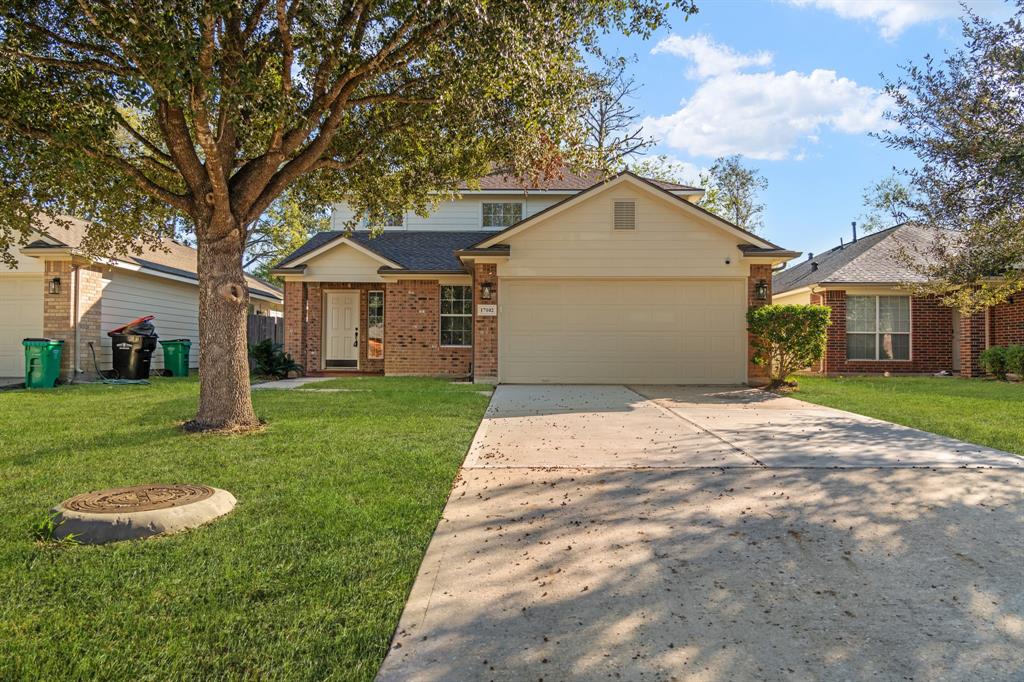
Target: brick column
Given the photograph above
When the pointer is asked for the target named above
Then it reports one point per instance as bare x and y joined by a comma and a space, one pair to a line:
835, 347
757, 375
295, 321
59, 312
972, 342
485, 329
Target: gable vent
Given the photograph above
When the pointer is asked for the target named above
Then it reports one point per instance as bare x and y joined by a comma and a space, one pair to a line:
625, 215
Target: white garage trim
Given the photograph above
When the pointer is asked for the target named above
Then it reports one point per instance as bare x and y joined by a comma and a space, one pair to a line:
604, 331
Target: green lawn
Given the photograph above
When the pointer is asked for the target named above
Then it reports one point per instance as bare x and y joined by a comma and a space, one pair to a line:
305, 579
975, 410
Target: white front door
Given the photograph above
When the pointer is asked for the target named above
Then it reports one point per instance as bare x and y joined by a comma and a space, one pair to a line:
341, 329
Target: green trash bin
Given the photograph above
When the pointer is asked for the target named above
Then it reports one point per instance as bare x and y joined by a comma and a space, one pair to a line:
176, 356
42, 362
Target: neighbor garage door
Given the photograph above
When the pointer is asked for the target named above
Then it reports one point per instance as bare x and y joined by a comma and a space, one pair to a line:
601, 331
21, 316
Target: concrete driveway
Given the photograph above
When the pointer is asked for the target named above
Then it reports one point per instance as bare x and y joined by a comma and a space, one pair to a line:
606, 532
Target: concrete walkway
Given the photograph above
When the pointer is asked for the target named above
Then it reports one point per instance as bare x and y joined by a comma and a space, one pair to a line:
716, 534
287, 384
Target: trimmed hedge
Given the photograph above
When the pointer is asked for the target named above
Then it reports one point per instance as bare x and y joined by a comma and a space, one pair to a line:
788, 338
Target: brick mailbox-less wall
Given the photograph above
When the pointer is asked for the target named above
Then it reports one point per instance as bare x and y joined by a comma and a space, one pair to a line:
412, 333
59, 312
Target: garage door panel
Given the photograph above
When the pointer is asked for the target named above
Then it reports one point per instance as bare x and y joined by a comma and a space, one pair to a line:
601, 331
21, 316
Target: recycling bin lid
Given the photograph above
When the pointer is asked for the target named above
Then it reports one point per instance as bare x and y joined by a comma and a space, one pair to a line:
34, 341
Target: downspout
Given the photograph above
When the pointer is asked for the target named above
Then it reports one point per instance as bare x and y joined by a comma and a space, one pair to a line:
75, 365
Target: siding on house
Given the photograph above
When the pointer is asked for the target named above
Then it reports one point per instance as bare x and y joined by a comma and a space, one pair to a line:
456, 215
342, 264
581, 242
127, 295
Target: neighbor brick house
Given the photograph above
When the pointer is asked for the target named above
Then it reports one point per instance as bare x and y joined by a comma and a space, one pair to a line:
879, 324
579, 280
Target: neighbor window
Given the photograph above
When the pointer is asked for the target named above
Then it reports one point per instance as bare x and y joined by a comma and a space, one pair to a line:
375, 325
456, 315
878, 328
501, 214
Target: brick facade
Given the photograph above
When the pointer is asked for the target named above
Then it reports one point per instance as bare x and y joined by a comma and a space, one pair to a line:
412, 333
1007, 322
485, 329
59, 312
972, 342
757, 375
931, 339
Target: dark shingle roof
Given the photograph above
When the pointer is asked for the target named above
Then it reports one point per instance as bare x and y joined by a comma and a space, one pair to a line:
873, 259
413, 250
172, 257
564, 179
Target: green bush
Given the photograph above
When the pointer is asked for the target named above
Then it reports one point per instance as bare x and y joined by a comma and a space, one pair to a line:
994, 361
270, 361
1002, 360
788, 338
1015, 360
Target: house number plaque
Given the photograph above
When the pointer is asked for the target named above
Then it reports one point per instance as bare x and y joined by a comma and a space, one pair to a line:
487, 310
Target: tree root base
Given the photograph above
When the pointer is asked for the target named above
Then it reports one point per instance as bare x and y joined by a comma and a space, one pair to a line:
196, 426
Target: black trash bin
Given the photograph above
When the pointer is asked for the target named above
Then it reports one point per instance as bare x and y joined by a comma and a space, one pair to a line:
133, 347
132, 355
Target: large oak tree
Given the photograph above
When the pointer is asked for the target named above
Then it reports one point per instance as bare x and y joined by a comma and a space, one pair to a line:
145, 116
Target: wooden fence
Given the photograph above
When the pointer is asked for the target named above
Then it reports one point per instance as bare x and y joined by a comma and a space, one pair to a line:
261, 327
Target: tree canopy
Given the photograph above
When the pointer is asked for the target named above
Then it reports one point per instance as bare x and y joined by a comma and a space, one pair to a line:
145, 116
963, 117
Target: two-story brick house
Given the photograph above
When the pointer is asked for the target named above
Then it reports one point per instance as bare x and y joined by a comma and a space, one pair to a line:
580, 280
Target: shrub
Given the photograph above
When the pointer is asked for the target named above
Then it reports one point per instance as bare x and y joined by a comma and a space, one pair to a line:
1015, 360
269, 360
993, 360
787, 338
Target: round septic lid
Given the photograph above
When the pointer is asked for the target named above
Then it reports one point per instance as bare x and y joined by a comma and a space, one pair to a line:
138, 498
139, 511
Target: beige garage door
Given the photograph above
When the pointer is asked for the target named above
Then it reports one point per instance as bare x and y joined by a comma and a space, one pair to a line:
600, 331
21, 316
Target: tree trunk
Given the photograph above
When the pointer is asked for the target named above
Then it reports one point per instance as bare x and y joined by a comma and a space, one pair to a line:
224, 399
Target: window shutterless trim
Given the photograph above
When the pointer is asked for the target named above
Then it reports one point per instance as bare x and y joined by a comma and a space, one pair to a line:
442, 315
877, 333
383, 323
485, 226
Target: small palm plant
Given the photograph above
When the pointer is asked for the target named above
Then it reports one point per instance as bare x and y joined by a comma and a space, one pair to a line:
270, 360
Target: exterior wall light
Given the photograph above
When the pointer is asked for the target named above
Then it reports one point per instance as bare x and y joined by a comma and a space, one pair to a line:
54, 285
486, 291
761, 290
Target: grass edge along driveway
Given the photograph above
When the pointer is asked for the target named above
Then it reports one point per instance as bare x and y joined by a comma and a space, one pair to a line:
978, 411
305, 579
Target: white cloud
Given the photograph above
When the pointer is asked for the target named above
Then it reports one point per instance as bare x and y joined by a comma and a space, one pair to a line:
891, 16
709, 58
765, 115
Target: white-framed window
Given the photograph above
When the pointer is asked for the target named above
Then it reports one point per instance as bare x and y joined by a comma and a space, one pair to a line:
375, 325
498, 215
456, 315
877, 327
624, 214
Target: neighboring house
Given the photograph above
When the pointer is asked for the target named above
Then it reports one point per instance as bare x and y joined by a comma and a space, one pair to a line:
878, 325
576, 281
55, 292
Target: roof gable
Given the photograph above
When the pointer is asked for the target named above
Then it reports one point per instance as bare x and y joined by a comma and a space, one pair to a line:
641, 184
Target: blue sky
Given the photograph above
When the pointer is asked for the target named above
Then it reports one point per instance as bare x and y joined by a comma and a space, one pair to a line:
793, 86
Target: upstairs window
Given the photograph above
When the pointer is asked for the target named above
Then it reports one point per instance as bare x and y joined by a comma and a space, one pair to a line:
456, 315
624, 215
877, 327
499, 215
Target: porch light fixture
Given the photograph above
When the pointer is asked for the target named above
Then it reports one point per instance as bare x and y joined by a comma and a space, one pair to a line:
761, 290
486, 290
54, 285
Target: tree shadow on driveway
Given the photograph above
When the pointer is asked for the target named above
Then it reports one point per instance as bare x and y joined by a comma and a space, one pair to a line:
721, 574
